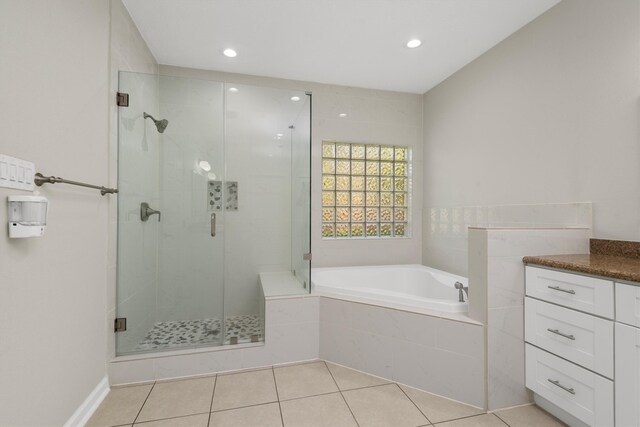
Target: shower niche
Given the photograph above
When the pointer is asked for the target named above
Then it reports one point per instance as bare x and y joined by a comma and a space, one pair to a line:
223, 171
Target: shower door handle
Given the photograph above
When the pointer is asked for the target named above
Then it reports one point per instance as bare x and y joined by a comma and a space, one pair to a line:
213, 225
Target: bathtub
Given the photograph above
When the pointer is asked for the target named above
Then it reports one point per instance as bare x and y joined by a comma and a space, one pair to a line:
407, 285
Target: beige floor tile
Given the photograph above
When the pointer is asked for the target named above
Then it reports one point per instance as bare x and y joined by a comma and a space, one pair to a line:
178, 398
348, 379
121, 406
317, 411
486, 420
244, 389
189, 421
439, 409
384, 405
529, 416
260, 415
304, 380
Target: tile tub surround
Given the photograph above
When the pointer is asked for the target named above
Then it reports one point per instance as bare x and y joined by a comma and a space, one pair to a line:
307, 394
431, 353
446, 228
496, 294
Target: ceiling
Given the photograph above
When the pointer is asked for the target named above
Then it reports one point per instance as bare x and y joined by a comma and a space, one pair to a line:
346, 42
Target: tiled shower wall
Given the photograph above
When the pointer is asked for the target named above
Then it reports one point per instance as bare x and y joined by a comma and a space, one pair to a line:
372, 116
445, 229
190, 261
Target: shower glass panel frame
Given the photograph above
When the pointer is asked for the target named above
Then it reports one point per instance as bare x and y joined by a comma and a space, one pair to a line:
300, 189
227, 184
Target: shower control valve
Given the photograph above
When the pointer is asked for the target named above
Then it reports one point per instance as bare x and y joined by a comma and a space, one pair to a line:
146, 212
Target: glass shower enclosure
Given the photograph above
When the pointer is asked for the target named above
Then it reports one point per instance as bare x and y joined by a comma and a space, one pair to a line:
214, 189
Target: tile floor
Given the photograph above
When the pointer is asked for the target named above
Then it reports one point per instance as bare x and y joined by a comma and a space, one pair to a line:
307, 394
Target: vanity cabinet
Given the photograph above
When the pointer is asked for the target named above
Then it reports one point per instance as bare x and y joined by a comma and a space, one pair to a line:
582, 345
569, 343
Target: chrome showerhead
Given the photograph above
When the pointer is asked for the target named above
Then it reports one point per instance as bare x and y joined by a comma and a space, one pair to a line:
161, 125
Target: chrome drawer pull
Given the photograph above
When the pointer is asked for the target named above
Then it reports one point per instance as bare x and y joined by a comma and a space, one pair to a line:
557, 332
558, 288
557, 383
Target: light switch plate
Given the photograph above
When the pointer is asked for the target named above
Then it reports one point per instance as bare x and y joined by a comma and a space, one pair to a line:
16, 173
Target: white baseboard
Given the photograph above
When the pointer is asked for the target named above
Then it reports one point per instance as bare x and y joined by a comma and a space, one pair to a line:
90, 404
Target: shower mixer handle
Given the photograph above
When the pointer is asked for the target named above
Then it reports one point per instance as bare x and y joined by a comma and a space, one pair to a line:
146, 212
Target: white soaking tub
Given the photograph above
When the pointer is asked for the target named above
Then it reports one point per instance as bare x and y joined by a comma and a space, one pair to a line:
408, 285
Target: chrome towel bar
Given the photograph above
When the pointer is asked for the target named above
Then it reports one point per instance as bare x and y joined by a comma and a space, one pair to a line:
40, 179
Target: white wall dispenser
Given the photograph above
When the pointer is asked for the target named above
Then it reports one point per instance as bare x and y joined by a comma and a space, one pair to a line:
27, 216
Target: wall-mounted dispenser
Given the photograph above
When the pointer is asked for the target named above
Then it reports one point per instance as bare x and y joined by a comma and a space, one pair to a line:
27, 216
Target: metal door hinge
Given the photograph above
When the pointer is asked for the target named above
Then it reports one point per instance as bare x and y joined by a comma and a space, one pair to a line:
120, 324
307, 256
122, 99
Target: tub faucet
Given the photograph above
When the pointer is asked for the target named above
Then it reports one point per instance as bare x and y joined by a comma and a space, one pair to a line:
460, 287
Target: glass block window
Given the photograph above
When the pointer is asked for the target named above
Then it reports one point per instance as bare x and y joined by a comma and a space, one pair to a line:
365, 190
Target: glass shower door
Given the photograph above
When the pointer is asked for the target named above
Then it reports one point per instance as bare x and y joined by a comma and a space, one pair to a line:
171, 214
214, 184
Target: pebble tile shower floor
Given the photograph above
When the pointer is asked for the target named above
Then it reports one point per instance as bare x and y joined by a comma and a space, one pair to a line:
311, 394
202, 332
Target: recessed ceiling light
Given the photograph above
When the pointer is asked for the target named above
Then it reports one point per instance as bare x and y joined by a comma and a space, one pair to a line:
411, 44
295, 98
279, 135
342, 115
233, 89
230, 53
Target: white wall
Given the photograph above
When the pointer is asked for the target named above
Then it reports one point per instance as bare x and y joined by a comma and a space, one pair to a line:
257, 237
550, 115
373, 116
54, 82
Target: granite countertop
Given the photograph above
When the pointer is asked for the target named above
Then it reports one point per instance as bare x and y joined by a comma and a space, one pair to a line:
616, 259
612, 266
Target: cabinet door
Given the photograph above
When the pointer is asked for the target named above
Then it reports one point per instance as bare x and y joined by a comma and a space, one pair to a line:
628, 304
627, 374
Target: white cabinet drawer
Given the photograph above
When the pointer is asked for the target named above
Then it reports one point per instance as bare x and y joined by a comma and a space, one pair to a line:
628, 304
627, 376
583, 394
582, 293
580, 338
